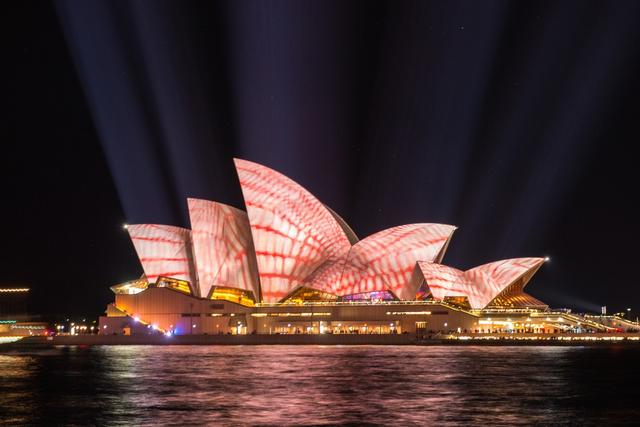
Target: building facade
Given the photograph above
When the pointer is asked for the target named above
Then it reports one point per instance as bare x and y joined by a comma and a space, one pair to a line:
289, 265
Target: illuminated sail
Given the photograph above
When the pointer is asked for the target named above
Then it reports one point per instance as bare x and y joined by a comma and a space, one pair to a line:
223, 248
481, 285
164, 250
385, 261
293, 233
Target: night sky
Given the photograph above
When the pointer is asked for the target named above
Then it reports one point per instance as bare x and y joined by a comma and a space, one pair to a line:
515, 121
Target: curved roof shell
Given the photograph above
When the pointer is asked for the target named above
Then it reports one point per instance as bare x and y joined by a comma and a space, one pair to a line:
293, 232
164, 250
222, 247
481, 284
287, 239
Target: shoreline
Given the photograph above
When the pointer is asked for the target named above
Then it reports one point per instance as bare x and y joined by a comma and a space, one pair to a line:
596, 340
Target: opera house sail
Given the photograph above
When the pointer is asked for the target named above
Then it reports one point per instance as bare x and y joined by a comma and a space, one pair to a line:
482, 285
299, 242
288, 250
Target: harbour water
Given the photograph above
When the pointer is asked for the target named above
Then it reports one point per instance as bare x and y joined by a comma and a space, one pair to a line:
320, 385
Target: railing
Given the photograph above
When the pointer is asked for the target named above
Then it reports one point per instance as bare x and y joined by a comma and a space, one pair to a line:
569, 317
627, 322
349, 303
563, 336
366, 303
581, 320
512, 310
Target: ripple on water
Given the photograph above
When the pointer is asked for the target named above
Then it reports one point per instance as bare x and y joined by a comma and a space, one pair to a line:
289, 385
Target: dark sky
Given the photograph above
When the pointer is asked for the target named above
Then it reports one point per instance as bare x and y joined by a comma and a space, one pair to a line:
516, 121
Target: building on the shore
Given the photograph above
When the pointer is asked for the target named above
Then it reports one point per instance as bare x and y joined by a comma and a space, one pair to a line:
290, 264
15, 320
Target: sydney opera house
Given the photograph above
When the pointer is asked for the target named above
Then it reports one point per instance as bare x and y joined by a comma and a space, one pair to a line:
289, 265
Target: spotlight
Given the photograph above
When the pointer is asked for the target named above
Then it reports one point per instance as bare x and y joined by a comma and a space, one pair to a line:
547, 259
125, 226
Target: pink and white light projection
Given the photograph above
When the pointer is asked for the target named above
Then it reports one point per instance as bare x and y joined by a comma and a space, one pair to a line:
164, 250
222, 246
384, 261
288, 238
293, 233
480, 284
298, 241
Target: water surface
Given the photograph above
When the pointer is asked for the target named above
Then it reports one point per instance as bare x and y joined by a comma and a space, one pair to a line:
296, 385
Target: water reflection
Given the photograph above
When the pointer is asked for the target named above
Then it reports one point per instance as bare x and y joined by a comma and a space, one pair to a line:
289, 385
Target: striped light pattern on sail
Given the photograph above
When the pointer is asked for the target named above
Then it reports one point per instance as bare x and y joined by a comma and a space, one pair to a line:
293, 233
385, 261
222, 246
287, 238
480, 285
164, 250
